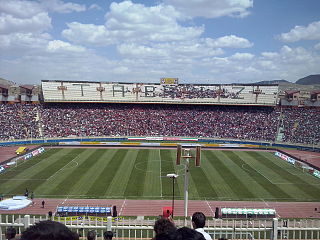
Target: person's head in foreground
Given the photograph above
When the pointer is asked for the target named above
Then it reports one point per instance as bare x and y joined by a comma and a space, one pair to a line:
198, 220
108, 235
10, 233
163, 225
48, 230
91, 235
186, 233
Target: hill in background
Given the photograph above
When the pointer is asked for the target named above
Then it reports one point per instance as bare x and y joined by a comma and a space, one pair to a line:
6, 82
309, 80
272, 82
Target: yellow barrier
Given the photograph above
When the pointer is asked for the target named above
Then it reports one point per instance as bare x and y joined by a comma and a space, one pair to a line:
129, 143
91, 218
21, 150
168, 144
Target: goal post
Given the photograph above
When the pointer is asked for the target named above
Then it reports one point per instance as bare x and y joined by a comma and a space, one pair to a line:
185, 153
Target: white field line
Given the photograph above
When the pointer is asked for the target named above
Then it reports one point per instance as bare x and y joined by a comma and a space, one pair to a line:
83, 196
61, 203
278, 183
213, 213
65, 200
265, 202
258, 172
23, 179
122, 206
160, 174
27, 161
73, 160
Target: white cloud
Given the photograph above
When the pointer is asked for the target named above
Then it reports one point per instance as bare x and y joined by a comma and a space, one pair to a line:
242, 56
317, 46
187, 49
230, 41
26, 9
311, 32
290, 63
88, 34
212, 8
129, 22
20, 9
37, 23
95, 6
269, 54
58, 45
23, 42
31, 16
121, 70
62, 7
132, 50
147, 63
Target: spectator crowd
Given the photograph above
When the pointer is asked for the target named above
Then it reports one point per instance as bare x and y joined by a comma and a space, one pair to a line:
300, 125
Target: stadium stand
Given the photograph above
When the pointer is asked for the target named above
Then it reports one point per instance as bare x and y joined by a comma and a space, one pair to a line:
21, 121
302, 125
159, 120
18, 121
226, 111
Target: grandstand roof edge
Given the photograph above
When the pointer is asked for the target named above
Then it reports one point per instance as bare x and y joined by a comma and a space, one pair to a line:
165, 103
198, 84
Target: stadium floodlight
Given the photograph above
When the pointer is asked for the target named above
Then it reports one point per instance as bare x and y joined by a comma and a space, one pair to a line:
173, 176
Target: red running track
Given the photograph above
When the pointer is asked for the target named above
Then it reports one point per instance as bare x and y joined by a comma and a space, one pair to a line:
154, 207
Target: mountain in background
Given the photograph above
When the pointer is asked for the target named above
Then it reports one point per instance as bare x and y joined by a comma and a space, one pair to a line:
6, 82
309, 80
272, 82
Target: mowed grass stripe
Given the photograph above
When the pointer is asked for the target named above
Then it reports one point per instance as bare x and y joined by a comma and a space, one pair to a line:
89, 177
104, 180
24, 176
272, 189
235, 183
244, 176
64, 187
54, 180
168, 166
121, 179
13, 172
310, 179
153, 177
277, 180
307, 188
201, 182
51, 168
217, 181
138, 174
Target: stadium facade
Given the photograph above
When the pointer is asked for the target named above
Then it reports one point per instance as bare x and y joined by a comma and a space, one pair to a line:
167, 91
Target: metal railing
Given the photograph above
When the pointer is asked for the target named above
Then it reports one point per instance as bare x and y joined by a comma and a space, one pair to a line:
127, 228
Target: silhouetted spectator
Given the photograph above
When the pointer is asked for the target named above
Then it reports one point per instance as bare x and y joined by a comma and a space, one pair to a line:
91, 235
186, 233
198, 223
163, 227
11, 233
108, 235
48, 230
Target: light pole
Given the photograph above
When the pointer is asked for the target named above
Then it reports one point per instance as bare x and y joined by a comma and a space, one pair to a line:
173, 176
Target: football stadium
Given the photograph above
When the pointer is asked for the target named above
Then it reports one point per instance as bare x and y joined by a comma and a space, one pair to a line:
102, 155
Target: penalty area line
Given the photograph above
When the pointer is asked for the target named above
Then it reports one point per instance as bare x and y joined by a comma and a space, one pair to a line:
73, 160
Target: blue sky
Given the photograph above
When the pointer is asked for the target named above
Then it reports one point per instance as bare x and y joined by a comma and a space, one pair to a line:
197, 41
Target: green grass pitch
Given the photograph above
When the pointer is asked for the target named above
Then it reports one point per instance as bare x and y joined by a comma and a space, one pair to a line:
137, 174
